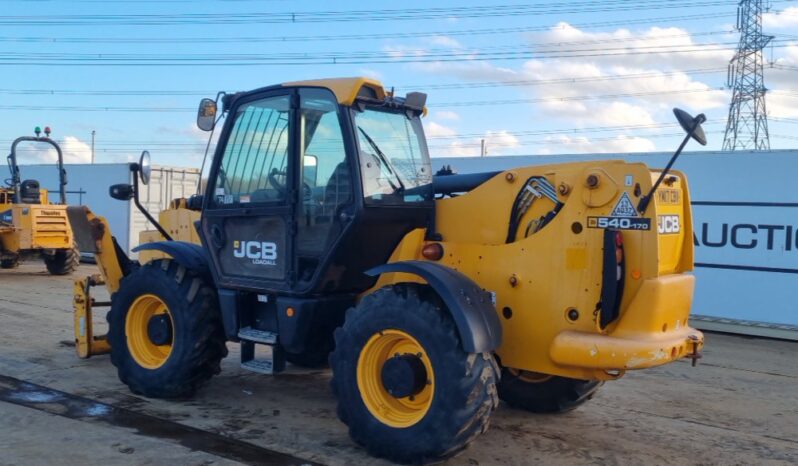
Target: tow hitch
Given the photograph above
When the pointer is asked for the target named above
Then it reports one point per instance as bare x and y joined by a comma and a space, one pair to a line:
695, 355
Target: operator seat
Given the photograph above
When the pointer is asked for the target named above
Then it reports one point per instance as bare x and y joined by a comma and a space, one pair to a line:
29, 192
337, 192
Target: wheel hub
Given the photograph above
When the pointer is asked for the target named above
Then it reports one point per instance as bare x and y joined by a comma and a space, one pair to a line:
390, 360
149, 330
159, 329
404, 375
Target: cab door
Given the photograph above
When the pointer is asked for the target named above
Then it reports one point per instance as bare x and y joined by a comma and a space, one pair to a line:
248, 218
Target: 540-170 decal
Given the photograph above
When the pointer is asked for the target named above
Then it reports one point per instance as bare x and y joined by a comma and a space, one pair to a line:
620, 223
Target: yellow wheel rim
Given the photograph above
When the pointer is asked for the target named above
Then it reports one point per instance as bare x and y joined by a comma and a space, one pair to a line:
395, 412
146, 353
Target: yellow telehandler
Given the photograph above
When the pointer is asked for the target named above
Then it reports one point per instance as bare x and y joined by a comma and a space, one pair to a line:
30, 224
323, 236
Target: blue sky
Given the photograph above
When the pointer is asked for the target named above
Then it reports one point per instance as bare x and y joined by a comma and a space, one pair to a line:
568, 56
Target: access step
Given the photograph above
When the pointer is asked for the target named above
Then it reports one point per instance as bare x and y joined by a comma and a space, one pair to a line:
270, 363
262, 337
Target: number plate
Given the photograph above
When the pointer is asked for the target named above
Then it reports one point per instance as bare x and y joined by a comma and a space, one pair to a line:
619, 223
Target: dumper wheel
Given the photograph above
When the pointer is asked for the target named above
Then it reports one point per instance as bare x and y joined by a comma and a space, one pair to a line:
405, 386
11, 263
542, 393
165, 331
63, 262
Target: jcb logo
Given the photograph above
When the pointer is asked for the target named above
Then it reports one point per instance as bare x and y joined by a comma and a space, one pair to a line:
668, 224
260, 252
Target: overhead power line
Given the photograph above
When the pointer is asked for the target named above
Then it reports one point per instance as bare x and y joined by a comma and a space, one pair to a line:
369, 36
342, 58
517, 133
111, 108
404, 14
554, 141
423, 87
433, 105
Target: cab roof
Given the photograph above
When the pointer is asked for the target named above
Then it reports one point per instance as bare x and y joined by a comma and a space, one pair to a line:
346, 90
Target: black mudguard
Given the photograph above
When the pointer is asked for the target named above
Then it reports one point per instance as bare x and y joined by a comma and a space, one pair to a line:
189, 255
470, 306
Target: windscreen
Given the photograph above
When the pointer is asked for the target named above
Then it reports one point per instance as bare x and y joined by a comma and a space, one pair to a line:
394, 163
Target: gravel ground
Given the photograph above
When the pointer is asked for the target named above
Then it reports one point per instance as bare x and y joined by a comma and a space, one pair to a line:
739, 406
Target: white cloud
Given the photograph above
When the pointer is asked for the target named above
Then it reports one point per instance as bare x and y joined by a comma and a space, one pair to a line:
781, 104
449, 144
445, 41
563, 89
370, 73
656, 87
583, 145
784, 19
655, 47
73, 149
435, 130
445, 115
777, 77
500, 142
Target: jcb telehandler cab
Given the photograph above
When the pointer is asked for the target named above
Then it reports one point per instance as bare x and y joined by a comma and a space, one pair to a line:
30, 225
324, 232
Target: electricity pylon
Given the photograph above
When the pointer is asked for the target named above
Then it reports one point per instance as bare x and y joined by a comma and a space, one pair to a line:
747, 126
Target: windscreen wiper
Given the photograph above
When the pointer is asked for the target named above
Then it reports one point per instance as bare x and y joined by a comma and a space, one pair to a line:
385, 161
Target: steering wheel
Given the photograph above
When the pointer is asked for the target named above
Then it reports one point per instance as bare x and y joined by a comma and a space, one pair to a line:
274, 178
279, 185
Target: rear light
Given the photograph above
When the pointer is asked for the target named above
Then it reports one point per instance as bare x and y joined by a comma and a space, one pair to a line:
432, 251
612, 277
619, 254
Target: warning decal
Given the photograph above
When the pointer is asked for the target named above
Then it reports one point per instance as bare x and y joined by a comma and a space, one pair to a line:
624, 207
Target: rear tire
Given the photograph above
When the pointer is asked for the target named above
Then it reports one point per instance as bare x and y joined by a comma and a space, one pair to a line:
9, 263
63, 262
455, 393
549, 394
196, 342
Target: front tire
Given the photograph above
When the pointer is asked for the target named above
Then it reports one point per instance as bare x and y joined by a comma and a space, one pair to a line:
402, 340
540, 393
63, 262
165, 331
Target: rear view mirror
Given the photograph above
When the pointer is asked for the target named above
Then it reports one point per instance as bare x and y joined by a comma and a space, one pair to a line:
145, 167
688, 124
206, 114
310, 169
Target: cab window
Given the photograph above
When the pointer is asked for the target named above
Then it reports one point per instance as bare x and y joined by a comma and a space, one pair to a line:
254, 164
394, 163
326, 182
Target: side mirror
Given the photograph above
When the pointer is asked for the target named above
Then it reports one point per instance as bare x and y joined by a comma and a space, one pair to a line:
309, 169
194, 202
687, 123
121, 192
145, 167
206, 114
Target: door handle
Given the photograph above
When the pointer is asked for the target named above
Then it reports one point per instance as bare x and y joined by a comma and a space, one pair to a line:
217, 236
